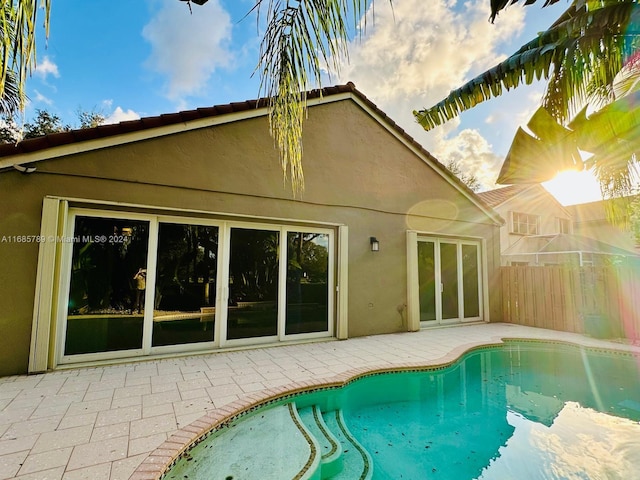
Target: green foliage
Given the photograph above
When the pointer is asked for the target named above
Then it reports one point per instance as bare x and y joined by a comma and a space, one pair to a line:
90, 119
18, 20
301, 37
469, 179
45, 123
580, 55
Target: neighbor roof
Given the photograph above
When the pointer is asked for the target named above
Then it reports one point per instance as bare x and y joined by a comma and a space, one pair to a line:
496, 197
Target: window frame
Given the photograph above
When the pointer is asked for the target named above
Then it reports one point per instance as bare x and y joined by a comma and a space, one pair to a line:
516, 219
50, 314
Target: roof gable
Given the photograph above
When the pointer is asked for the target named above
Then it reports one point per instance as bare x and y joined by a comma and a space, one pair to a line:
498, 197
83, 140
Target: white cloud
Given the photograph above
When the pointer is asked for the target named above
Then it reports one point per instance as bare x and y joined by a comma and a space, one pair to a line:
413, 56
40, 98
473, 153
187, 48
120, 115
45, 68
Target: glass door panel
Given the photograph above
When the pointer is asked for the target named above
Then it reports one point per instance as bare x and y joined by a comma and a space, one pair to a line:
253, 283
471, 281
427, 281
307, 307
449, 279
107, 285
185, 293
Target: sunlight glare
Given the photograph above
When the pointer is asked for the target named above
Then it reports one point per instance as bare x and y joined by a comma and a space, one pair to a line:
571, 187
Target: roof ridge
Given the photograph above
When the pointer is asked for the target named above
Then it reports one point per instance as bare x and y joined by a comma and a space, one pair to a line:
100, 131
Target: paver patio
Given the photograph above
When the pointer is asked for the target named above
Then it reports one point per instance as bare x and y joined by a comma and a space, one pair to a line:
103, 422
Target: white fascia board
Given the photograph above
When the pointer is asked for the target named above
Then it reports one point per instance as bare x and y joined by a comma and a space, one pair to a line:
146, 134
123, 138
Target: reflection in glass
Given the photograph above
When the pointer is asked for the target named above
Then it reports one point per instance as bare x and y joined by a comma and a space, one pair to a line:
307, 282
427, 281
185, 295
101, 314
470, 281
449, 272
253, 284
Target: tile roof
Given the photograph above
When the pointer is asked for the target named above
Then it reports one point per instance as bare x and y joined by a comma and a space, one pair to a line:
498, 196
145, 123
103, 131
39, 144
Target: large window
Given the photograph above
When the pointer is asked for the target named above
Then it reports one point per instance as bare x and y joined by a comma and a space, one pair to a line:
106, 285
141, 284
525, 224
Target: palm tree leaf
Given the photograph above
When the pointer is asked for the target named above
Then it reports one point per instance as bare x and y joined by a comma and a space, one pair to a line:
564, 54
498, 5
18, 19
300, 38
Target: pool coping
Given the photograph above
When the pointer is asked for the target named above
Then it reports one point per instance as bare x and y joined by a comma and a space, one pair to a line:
160, 460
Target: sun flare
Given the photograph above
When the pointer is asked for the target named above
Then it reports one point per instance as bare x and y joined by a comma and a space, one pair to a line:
571, 187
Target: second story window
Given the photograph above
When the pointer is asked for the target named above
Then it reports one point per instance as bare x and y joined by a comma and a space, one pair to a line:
564, 225
525, 224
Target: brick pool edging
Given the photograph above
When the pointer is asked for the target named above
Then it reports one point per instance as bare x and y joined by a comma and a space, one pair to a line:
162, 458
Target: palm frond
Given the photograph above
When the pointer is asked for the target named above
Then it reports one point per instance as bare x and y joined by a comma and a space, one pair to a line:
588, 45
300, 38
18, 51
498, 5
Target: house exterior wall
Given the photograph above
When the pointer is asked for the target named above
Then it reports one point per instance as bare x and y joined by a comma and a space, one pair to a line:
591, 220
533, 201
357, 174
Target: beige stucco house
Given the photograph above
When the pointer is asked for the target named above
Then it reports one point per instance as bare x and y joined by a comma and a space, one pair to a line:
540, 231
592, 220
177, 234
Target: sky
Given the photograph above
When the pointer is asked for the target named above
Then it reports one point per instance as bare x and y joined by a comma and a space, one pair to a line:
148, 57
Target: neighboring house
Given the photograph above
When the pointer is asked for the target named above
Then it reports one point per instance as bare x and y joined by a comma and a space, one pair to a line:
540, 231
176, 233
592, 220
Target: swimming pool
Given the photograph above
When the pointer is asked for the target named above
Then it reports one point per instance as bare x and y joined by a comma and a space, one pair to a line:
524, 410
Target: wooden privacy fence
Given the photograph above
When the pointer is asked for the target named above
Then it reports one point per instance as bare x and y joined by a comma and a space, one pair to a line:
601, 301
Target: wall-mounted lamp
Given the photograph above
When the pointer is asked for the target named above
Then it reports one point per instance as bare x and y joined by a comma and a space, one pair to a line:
375, 244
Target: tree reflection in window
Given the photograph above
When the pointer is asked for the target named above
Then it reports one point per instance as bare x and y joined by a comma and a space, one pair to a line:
253, 283
107, 254
307, 282
185, 295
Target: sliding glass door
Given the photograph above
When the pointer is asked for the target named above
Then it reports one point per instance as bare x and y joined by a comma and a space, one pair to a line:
308, 278
139, 285
104, 293
449, 280
185, 284
253, 283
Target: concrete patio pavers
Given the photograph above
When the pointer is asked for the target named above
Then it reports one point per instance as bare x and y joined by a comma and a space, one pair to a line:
104, 422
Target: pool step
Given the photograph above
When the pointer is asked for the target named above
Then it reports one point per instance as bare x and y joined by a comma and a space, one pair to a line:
356, 461
271, 444
330, 447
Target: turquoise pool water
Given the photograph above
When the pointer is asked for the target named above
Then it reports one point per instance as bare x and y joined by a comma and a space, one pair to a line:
521, 411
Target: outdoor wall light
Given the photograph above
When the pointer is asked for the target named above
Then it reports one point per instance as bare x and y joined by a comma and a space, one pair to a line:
375, 244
